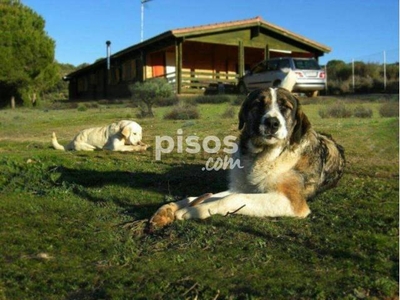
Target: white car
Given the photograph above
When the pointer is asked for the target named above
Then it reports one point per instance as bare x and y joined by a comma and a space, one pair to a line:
310, 78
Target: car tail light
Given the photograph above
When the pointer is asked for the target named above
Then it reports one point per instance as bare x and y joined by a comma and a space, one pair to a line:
322, 75
299, 74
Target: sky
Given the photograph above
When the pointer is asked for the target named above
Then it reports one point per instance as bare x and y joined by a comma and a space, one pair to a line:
354, 29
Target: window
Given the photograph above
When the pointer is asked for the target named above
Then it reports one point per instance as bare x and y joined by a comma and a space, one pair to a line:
259, 68
284, 64
129, 70
93, 80
82, 84
306, 64
272, 65
115, 75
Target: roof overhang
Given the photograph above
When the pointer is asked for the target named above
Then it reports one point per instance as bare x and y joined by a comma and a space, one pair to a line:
254, 22
188, 32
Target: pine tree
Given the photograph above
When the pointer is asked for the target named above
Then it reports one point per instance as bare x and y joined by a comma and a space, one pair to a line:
26, 53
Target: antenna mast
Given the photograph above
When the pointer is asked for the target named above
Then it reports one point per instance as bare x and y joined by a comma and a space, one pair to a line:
142, 18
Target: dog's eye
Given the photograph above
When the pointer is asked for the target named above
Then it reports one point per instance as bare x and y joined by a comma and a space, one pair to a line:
256, 105
283, 108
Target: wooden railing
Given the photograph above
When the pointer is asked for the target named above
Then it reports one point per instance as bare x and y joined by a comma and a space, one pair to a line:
203, 82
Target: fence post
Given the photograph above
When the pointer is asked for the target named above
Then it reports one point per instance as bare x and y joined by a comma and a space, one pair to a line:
384, 70
178, 66
241, 58
352, 72
326, 79
266, 52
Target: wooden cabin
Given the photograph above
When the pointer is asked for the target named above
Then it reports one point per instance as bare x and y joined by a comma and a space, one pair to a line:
196, 59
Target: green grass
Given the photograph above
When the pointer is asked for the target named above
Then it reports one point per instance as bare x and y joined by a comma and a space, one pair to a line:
65, 229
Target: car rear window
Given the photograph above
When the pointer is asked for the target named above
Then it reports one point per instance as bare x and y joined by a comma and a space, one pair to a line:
306, 64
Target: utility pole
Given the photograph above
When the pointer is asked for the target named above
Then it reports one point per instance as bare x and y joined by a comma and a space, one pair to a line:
326, 79
107, 73
108, 53
352, 72
384, 70
142, 18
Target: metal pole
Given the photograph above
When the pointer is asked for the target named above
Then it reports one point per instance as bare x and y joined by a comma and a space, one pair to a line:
108, 43
142, 18
326, 79
352, 71
384, 70
107, 73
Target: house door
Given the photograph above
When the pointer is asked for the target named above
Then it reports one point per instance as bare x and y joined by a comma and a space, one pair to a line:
170, 66
158, 63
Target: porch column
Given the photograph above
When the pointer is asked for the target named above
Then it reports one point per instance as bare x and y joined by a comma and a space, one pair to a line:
266, 52
178, 66
241, 59
143, 65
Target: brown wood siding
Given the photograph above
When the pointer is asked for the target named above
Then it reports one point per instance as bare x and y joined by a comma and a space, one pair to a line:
197, 57
209, 57
264, 38
157, 62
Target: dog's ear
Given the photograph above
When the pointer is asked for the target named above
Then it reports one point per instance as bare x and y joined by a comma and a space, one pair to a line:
289, 81
246, 106
126, 131
242, 114
302, 124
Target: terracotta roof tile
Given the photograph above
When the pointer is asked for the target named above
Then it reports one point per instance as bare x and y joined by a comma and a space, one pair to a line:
251, 21
217, 25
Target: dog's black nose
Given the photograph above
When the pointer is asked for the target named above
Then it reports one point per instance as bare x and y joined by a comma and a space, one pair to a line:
272, 124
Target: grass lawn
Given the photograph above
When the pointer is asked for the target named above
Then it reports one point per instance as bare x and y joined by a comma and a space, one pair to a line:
66, 228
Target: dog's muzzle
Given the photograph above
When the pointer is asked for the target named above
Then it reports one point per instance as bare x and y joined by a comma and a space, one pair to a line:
272, 125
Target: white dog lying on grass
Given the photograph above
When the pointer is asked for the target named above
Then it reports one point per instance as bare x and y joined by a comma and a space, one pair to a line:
122, 136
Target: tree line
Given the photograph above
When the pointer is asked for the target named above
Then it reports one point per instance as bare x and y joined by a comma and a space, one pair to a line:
28, 69
30, 73
361, 77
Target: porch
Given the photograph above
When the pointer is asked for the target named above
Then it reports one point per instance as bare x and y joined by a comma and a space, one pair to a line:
208, 83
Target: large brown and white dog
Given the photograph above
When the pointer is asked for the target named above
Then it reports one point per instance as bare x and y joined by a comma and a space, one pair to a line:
284, 163
124, 135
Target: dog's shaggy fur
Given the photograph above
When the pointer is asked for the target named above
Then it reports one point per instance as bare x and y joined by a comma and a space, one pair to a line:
124, 135
284, 163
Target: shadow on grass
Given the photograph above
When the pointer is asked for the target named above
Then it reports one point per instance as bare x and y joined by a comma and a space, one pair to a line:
176, 181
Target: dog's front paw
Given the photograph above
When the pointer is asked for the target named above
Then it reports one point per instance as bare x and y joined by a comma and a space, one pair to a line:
197, 212
143, 146
164, 215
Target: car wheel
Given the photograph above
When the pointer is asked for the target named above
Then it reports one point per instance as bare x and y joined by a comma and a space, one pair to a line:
242, 88
276, 83
312, 94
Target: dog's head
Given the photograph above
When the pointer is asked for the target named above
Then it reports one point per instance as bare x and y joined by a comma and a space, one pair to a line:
272, 116
131, 131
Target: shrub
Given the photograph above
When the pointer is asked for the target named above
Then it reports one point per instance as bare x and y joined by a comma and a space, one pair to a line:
337, 110
147, 93
188, 100
363, 84
315, 100
392, 86
229, 113
238, 100
168, 101
92, 105
214, 99
362, 112
82, 107
182, 112
389, 110
334, 87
